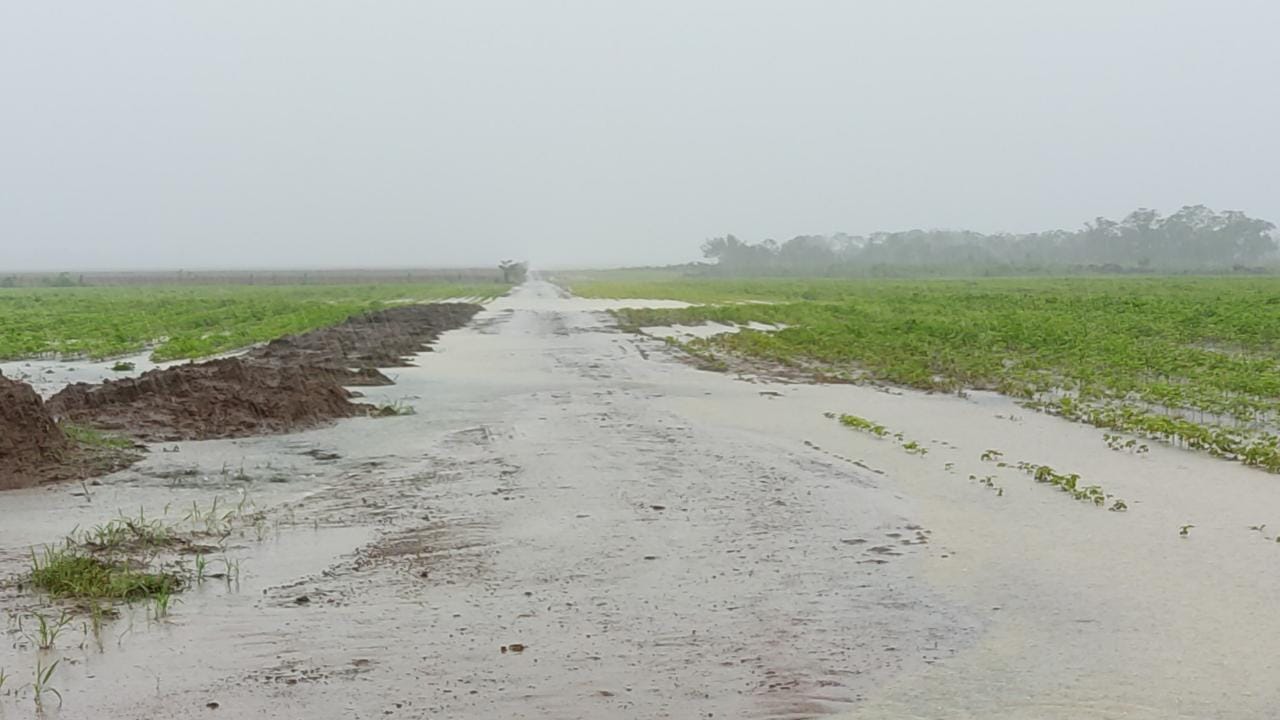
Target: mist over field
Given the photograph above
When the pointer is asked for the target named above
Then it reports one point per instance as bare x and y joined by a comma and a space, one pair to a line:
249, 135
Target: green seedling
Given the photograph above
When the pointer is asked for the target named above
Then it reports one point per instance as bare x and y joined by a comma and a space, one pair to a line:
47, 630
914, 448
160, 603
40, 684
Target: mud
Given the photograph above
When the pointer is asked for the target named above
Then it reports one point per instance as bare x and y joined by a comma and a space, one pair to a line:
357, 347
233, 397
33, 448
30, 441
291, 383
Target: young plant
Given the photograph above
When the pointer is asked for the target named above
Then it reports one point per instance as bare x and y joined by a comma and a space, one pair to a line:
47, 631
160, 605
40, 685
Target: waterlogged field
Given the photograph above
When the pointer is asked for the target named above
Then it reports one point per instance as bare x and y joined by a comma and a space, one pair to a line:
1191, 361
191, 322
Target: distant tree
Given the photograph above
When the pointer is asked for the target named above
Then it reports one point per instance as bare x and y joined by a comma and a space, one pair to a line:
1193, 239
62, 280
513, 272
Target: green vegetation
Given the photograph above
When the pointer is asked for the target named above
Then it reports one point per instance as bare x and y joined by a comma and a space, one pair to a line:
192, 321
74, 574
1191, 361
116, 561
873, 428
95, 438
40, 684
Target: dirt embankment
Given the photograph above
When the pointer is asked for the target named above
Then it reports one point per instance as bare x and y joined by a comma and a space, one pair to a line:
357, 347
34, 449
289, 384
29, 439
216, 399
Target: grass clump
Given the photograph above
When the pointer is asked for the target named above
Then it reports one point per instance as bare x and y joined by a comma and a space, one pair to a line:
399, 408
67, 573
89, 437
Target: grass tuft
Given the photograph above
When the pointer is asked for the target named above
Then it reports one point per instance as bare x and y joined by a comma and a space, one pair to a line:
89, 437
70, 574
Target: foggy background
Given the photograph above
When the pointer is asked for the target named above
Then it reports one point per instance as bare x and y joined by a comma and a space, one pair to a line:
321, 134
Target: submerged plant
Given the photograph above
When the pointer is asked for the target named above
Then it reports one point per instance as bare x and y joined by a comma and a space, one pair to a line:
160, 605
40, 684
47, 630
873, 428
71, 573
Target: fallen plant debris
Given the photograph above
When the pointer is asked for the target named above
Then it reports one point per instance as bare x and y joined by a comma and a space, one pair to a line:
1069, 483
864, 425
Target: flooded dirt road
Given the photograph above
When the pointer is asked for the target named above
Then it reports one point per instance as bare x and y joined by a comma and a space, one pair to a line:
575, 524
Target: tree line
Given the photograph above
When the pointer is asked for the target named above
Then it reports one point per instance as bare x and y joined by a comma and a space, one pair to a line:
1193, 239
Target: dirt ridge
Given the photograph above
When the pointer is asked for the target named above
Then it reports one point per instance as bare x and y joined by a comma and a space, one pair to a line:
291, 383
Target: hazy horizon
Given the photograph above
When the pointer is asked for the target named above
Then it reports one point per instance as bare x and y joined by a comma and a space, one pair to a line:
240, 135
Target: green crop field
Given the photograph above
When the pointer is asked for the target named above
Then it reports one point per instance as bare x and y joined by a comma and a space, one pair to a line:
190, 322
1191, 361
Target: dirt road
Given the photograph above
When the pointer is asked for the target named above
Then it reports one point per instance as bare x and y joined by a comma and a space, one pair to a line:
575, 524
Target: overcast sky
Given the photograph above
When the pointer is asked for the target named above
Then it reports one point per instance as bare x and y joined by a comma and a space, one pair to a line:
256, 133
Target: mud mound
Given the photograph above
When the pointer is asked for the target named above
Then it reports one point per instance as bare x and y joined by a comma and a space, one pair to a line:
34, 449
216, 399
358, 346
290, 384
30, 440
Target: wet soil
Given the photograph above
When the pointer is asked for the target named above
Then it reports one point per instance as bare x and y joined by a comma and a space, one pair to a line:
233, 397
34, 449
29, 438
356, 348
291, 383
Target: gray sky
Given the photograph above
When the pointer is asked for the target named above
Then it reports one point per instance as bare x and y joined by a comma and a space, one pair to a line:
248, 133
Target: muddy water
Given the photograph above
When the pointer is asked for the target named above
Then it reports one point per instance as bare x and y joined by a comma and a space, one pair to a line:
666, 542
